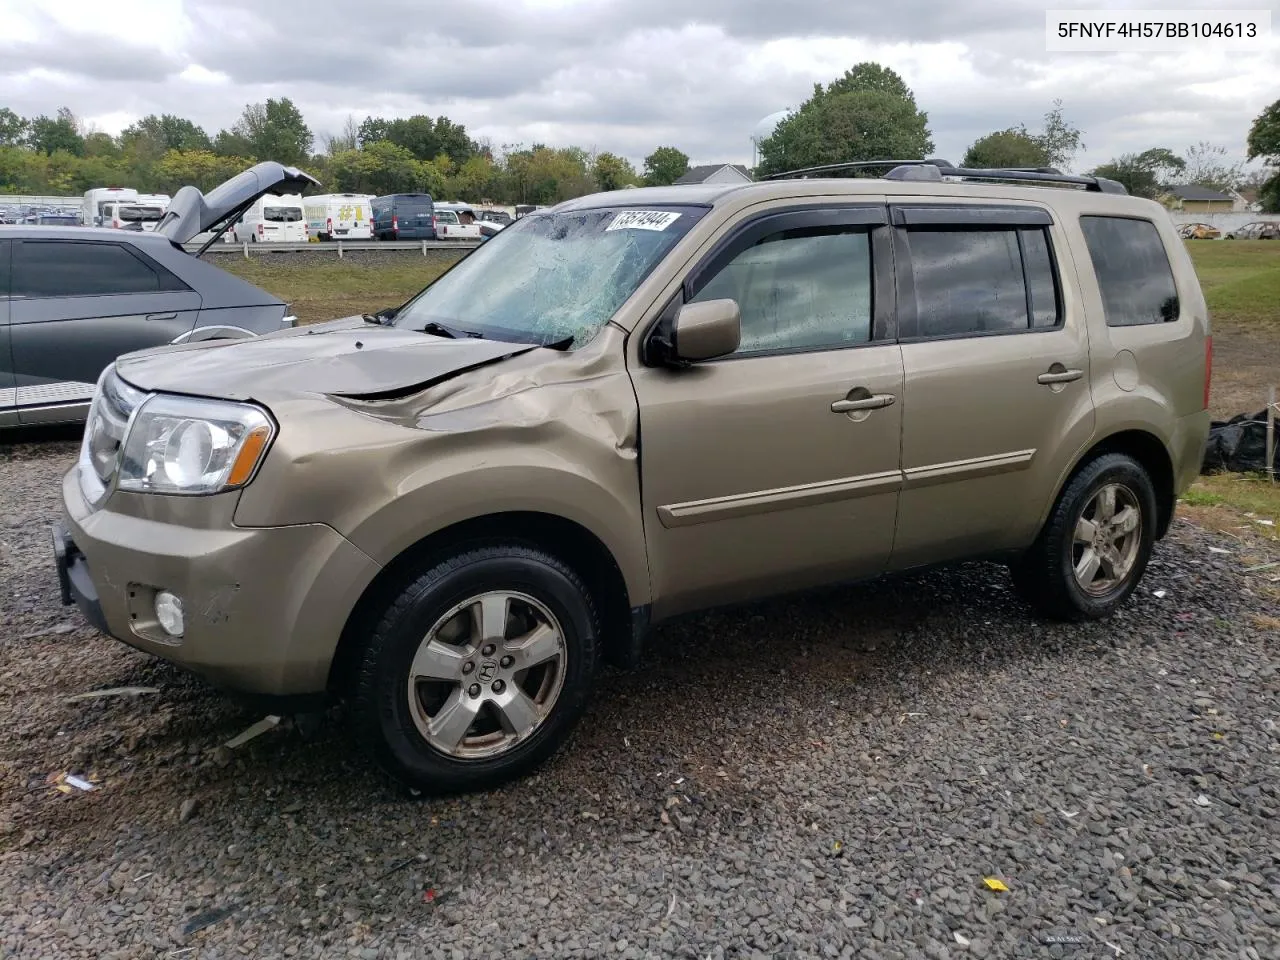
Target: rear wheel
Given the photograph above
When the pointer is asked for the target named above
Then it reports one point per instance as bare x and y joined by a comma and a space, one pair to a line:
1096, 543
478, 670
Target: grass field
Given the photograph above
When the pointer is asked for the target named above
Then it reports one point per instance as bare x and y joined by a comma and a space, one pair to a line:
340, 288
1241, 282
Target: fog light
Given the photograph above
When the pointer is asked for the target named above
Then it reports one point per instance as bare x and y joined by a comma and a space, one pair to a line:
169, 612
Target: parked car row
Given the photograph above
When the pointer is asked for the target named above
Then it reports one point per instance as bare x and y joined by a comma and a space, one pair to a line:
1257, 230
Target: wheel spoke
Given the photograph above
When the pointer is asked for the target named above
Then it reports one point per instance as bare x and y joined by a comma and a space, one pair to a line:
489, 618
518, 713
541, 645
1106, 503
451, 724
436, 660
1087, 568
1085, 531
1124, 522
1107, 559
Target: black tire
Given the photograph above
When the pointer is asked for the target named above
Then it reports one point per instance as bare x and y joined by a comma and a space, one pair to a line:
1045, 574
382, 712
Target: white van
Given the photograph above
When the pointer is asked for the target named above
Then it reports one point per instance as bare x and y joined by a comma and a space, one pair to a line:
160, 200
131, 215
340, 216
92, 210
273, 220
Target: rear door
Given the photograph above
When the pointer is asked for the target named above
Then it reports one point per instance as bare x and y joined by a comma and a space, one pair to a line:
8, 416
996, 357
77, 305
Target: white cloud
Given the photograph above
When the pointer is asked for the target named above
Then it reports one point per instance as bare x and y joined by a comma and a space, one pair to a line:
620, 75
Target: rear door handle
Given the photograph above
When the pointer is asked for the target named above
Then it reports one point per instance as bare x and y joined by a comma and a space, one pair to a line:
1059, 376
162, 316
873, 402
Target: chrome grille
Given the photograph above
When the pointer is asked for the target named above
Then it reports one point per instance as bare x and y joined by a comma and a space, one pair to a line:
113, 403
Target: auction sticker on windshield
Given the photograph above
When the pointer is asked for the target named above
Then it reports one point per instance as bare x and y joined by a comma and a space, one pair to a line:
643, 220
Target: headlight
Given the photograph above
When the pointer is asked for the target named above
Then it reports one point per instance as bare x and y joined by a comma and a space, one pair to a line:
190, 446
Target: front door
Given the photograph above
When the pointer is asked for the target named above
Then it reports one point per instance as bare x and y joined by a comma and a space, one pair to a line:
78, 305
777, 467
996, 354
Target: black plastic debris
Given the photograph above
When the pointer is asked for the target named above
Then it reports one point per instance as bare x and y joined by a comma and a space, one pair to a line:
1238, 445
208, 918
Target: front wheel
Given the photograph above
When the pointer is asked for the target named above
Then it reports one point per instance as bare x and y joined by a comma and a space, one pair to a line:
1096, 543
478, 670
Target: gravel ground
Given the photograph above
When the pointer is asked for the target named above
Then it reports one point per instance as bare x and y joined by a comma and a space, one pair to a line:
819, 778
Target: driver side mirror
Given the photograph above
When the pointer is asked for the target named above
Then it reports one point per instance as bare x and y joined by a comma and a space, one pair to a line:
705, 330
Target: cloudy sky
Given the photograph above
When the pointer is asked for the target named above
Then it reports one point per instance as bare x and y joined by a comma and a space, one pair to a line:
619, 75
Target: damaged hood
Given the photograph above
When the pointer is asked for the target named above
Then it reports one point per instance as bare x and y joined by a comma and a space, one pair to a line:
345, 358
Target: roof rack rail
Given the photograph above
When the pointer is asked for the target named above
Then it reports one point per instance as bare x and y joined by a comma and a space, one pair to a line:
853, 165
936, 169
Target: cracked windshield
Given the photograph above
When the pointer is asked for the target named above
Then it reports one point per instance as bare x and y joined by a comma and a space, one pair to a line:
551, 278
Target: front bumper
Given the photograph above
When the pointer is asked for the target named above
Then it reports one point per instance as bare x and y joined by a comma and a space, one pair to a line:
264, 607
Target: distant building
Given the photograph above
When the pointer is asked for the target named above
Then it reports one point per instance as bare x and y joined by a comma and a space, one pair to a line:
717, 173
1192, 198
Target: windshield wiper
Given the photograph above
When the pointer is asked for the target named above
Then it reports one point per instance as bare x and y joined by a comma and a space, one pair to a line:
374, 318
453, 333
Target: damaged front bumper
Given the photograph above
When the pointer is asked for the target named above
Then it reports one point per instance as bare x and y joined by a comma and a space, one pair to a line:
263, 607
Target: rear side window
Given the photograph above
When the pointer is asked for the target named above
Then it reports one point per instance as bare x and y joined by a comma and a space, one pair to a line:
1133, 270
53, 268
982, 281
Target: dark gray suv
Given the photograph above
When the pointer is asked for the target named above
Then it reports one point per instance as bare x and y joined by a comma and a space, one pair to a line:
73, 299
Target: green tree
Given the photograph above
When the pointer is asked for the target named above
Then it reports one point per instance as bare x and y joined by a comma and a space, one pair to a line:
103, 145
664, 166
203, 169
274, 130
1014, 147
1059, 139
869, 113
1264, 145
380, 167
422, 136
474, 180
13, 128
1264, 136
15, 170
870, 76
1269, 195
167, 132
228, 143
50, 134
612, 172
1145, 174
1208, 165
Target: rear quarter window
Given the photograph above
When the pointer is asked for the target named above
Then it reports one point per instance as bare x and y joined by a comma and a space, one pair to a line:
1133, 271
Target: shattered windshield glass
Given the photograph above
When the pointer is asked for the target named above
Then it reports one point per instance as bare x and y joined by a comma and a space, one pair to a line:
550, 278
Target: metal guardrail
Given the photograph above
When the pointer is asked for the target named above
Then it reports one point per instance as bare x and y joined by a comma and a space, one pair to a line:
338, 247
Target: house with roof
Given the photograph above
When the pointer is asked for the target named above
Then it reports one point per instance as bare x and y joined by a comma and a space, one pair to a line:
717, 173
1193, 198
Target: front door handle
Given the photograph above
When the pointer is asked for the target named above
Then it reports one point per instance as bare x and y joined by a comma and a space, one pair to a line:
873, 402
1059, 376
162, 316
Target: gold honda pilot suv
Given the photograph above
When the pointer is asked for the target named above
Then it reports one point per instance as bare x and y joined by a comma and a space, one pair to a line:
637, 405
